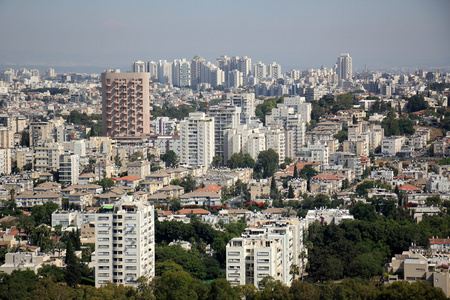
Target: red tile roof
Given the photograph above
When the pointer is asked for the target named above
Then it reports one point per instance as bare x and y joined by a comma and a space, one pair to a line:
409, 187
301, 165
195, 211
210, 188
439, 241
327, 177
128, 178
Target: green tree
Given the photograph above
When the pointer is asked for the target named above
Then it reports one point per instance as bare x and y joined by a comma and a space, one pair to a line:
416, 103
106, 183
138, 155
295, 175
217, 161
248, 161
291, 192
73, 270
170, 158
235, 161
308, 172
267, 163
18, 285
175, 285
42, 214
341, 136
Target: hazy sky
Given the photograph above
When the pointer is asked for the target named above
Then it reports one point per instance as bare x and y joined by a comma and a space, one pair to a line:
295, 33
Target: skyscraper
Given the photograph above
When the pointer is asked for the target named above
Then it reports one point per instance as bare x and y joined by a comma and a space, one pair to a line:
139, 67
196, 70
344, 67
125, 104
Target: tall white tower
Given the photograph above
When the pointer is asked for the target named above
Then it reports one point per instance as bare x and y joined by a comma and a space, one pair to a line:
197, 140
344, 67
124, 242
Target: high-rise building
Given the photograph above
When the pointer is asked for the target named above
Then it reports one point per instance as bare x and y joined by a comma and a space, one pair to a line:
125, 104
246, 102
139, 67
235, 79
164, 71
181, 73
124, 242
152, 68
274, 70
268, 249
260, 71
245, 67
225, 117
69, 168
197, 140
344, 67
196, 70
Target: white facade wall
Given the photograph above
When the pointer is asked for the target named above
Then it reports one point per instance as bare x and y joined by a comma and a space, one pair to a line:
124, 243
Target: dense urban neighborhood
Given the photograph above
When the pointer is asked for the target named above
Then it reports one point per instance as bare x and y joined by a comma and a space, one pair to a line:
228, 180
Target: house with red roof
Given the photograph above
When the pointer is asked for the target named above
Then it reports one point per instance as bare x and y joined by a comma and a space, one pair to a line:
195, 211
211, 188
409, 188
130, 181
326, 184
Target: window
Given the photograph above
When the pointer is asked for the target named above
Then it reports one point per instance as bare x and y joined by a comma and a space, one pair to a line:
103, 225
103, 218
103, 275
103, 232
103, 239
130, 260
131, 268
103, 246
103, 253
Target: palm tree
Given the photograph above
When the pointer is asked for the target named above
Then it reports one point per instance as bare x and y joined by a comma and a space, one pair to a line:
294, 270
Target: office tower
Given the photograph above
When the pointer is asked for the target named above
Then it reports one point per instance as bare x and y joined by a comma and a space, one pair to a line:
124, 242
344, 67
152, 68
259, 71
181, 73
125, 104
274, 70
139, 67
164, 72
197, 140
196, 67
69, 168
225, 117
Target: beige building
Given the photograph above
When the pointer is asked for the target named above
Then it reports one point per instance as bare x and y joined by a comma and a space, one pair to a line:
6, 137
5, 161
139, 168
24, 156
40, 131
125, 104
47, 156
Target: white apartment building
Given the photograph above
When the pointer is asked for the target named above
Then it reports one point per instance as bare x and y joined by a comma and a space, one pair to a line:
300, 107
5, 161
181, 73
270, 249
314, 153
47, 156
197, 140
274, 71
124, 243
391, 145
246, 102
259, 71
69, 168
276, 140
225, 117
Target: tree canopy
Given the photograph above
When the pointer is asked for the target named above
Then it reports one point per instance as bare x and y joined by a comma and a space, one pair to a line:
267, 163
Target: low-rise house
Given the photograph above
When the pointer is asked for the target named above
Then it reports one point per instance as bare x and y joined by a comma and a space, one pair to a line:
420, 212
8, 237
328, 215
30, 199
409, 188
173, 191
130, 181
438, 184
64, 218
81, 199
160, 175
211, 188
201, 199
87, 178
325, 184
151, 186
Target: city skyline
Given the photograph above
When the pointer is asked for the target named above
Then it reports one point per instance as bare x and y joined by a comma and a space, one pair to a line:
295, 34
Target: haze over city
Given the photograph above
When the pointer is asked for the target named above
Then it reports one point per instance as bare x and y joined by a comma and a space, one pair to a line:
92, 36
